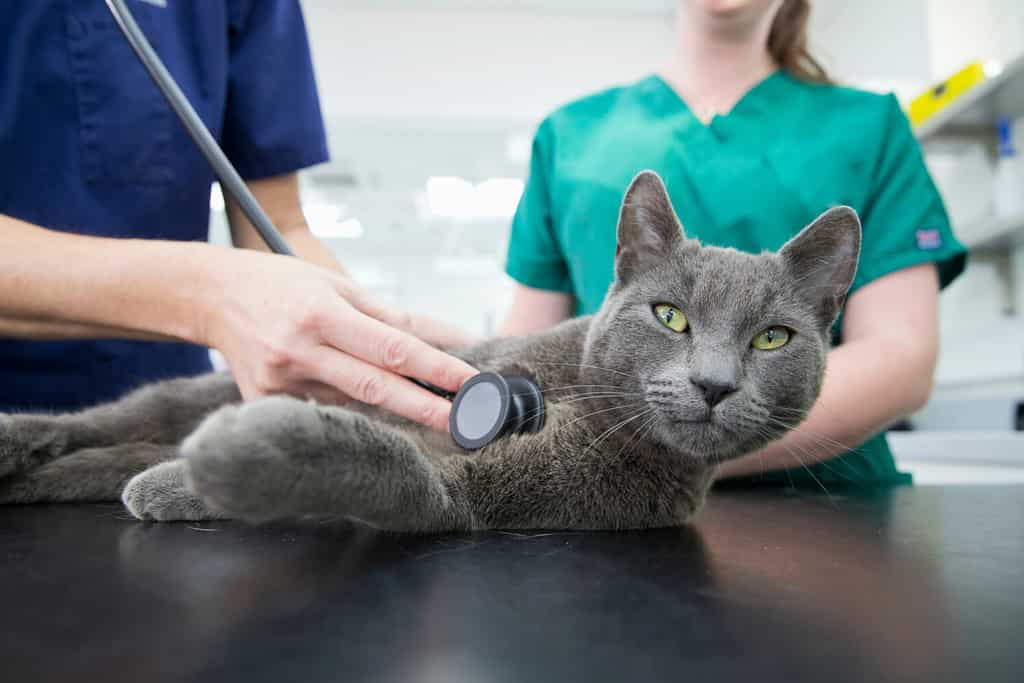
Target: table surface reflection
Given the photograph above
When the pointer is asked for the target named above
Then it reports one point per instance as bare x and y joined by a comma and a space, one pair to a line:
913, 584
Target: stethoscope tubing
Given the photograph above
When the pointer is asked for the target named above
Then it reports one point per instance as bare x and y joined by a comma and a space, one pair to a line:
230, 181
234, 186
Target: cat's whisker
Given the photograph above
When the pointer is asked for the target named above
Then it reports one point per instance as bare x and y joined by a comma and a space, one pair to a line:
566, 387
824, 463
765, 433
589, 397
803, 413
821, 439
594, 396
584, 365
768, 410
586, 397
636, 433
827, 465
614, 428
812, 475
596, 392
651, 424
598, 412
762, 430
790, 426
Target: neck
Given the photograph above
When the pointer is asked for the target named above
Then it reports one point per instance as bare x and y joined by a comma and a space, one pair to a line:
716, 60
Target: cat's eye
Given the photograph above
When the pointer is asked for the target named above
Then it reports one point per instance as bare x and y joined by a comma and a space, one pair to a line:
772, 338
671, 317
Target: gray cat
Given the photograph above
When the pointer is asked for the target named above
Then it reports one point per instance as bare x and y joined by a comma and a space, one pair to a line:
698, 354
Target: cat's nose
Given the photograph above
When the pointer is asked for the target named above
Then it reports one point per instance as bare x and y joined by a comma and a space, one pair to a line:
713, 392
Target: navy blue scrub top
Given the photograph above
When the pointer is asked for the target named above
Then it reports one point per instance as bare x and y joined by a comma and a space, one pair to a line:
88, 145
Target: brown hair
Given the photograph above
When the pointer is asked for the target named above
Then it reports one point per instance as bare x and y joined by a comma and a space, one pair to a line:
787, 42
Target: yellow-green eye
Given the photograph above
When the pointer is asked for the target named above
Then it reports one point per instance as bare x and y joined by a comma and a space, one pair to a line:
671, 317
772, 338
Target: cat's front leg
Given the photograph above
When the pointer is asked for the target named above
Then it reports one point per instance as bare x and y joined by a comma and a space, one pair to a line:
555, 480
279, 457
162, 494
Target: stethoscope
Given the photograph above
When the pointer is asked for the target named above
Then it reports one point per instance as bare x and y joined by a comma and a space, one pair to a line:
487, 406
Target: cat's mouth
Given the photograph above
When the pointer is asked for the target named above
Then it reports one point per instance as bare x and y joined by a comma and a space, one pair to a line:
679, 415
707, 419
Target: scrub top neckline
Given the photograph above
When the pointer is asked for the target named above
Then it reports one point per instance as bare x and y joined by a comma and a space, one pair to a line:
750, 97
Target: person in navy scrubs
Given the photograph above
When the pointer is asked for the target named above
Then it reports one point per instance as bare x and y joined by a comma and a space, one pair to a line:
106, 279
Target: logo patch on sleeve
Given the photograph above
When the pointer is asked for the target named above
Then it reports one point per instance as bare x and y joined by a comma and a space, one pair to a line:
928, 239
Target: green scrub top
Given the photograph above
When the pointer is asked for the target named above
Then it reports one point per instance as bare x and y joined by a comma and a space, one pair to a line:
749, 179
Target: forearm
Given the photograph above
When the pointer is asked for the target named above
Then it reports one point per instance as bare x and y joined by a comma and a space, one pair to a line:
55, 284
279, 197
308, 247
534, 310
60, 329
869, 384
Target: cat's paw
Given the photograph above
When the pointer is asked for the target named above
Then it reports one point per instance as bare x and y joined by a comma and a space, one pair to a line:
241, 459
161, 494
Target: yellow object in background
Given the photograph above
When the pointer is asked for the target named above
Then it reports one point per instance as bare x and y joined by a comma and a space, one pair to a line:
938, 97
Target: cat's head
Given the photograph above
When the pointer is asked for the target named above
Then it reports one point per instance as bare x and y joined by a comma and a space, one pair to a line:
727, 348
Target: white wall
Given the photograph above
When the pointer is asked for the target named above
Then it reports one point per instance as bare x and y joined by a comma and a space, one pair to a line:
513, 61
420, 62
964, 31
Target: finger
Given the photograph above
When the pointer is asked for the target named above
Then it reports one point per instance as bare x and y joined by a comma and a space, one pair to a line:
439, 333
372, 385
430, 330
324, 394
307, 389
247, 390
396, 351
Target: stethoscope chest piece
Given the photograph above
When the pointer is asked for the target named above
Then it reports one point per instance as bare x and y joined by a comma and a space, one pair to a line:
489, 405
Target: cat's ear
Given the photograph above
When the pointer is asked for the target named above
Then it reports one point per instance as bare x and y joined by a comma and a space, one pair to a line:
648, 226
822, 259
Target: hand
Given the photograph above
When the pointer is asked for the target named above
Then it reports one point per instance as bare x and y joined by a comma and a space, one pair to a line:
435, 332
288, 327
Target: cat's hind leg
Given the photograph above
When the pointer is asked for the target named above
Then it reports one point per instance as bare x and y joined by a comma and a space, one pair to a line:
87, 475
162, 413
279, 457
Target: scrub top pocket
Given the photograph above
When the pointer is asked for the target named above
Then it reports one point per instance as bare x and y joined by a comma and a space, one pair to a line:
125, 124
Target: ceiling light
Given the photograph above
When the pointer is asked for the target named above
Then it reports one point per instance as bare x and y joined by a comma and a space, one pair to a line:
992, 68
348, 229
454, 197
450, 197
216, 198
321, 213
498, 197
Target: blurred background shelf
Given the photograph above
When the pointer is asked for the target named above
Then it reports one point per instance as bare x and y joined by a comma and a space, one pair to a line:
977, 111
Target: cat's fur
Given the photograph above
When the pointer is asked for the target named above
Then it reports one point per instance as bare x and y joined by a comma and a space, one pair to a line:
627, 442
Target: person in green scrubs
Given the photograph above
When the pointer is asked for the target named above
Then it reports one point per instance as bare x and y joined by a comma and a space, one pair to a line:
754, 141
